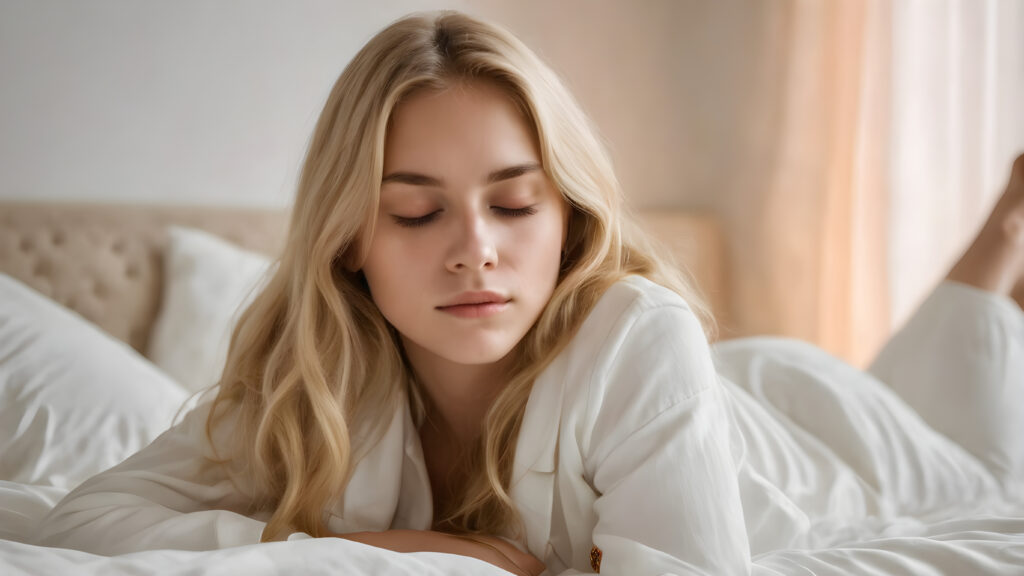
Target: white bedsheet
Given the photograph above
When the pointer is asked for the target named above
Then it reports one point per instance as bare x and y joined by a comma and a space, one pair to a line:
21, 505
982, 544
308, 557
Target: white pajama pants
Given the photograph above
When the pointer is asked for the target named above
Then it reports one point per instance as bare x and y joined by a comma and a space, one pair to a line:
934, 429
959, 362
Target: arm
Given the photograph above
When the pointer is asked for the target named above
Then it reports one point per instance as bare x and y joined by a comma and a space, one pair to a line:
658, 454
490, 549
165, 496
169, 496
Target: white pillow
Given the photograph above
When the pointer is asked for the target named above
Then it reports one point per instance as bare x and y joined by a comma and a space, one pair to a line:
207, 283
74, 401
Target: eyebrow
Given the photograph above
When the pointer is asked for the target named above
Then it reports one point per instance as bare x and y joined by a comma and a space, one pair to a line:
416, 179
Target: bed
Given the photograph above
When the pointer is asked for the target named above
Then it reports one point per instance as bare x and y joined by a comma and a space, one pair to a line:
112, 316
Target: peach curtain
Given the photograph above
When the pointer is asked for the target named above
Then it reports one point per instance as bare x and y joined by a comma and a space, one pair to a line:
808, 214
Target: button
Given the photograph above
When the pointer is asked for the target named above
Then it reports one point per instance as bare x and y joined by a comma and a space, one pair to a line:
595, 559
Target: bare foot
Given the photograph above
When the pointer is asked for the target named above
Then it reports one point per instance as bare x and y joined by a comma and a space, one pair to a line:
995, 260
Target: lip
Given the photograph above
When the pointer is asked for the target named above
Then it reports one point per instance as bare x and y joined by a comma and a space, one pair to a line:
478, 304
478, 297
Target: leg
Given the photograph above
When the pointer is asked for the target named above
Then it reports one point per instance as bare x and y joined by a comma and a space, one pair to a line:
995, 259
959, 361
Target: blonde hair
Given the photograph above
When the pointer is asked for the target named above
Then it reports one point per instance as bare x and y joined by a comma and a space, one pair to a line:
314, 372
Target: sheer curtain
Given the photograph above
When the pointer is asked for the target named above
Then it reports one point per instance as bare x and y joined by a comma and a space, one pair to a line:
879, 134
958, 122
807, 216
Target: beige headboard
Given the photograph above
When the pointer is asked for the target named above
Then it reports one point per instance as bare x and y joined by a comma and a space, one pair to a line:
105, 261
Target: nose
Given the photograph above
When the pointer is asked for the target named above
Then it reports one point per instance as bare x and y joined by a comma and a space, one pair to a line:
473, 247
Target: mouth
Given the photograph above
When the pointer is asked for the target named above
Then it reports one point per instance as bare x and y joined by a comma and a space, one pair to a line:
481, 310
476, 304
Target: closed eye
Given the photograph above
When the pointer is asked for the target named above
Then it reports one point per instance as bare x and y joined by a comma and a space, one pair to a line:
417, 221
524, 211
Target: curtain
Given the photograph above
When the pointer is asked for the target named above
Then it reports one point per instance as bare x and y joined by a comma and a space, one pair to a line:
807, 214
877, 135
958, 122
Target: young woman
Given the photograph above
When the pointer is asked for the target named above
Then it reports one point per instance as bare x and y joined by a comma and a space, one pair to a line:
466, 348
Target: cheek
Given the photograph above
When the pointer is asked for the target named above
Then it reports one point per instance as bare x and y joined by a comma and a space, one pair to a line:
387, 268
397, 255
540, 246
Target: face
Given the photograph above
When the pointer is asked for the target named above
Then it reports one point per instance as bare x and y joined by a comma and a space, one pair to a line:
466, 250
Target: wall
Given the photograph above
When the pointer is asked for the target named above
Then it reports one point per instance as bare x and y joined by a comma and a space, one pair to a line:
213, 102
197, 102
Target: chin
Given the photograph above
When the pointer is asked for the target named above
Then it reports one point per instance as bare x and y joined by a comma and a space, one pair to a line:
478, 351
475, 357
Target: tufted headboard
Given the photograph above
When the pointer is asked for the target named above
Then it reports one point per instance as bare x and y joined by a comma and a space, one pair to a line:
105, 261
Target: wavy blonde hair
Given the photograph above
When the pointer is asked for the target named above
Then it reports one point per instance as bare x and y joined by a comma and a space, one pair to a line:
314, 371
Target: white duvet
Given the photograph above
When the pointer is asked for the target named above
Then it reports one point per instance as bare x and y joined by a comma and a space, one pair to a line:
870, 486
987, 545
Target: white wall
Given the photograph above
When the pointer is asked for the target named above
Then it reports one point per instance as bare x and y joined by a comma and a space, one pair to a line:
195, 101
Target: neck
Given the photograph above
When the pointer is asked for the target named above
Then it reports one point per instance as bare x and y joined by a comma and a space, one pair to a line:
458, 395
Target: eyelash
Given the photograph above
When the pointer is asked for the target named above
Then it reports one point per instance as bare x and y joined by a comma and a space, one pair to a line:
524, 211
428, 218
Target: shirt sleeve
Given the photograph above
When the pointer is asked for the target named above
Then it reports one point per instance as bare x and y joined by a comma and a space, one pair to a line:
659, 453
167, 495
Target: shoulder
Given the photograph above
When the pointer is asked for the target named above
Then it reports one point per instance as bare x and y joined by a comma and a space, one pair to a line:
639, 336
640, 354
633, 309
635, 295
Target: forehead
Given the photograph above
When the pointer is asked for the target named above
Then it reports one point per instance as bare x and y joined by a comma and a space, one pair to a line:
466, 125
